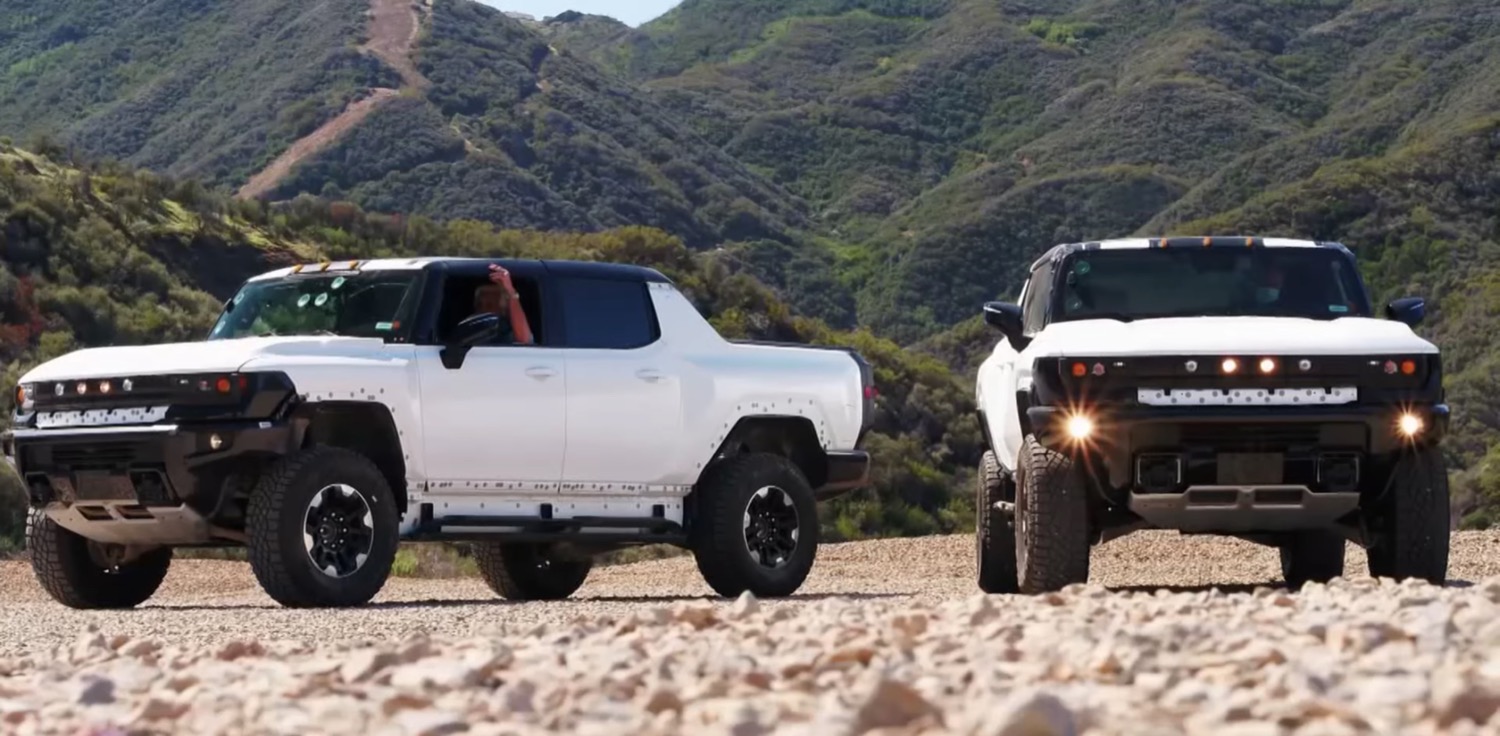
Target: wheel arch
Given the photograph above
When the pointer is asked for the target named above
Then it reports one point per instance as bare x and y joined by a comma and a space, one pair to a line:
364, 427
794, 438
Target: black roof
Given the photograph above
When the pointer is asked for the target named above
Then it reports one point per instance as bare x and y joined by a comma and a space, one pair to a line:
580, 269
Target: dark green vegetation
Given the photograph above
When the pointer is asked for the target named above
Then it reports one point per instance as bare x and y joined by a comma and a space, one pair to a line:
154, 83
507, 132
107, 255
889, 164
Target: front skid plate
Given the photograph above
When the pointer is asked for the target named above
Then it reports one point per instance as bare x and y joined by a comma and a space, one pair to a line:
1243, 509
131, 523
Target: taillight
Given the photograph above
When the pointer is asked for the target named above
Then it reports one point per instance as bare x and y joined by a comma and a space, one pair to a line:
870, 392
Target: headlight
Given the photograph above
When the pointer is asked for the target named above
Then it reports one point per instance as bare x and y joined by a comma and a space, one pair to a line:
1409, 424
1080, 426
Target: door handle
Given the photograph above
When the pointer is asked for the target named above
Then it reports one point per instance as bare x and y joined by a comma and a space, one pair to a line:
541, 372
649, 374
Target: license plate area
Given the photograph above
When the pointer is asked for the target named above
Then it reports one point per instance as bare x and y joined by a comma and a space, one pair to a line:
1251, 468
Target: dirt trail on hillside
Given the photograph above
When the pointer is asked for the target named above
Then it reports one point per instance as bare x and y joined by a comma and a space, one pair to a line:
393, 29
887, 637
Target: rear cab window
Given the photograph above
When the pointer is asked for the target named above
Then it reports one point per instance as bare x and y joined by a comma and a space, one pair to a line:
607, 314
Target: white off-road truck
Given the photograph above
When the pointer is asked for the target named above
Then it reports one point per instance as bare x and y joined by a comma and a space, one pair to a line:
1235, 386
340, 408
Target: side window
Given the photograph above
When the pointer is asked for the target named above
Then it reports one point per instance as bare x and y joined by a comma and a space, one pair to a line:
462, 299
608, 314
1038, 293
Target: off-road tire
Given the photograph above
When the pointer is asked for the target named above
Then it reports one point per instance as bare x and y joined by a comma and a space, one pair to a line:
995, 534
1052, 521
1412, 520
62, 564
1311, 556
525, 572
275, 519
717, 533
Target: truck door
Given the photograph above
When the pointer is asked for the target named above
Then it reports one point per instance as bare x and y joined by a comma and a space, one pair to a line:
495, 423
624, 414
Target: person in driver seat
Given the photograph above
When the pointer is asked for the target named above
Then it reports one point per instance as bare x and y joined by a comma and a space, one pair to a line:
499, 297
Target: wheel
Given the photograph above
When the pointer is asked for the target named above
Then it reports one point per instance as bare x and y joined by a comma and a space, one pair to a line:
1052, 521
755, 526
81, 573
322, 529
526, 572
1311, 556
995, 535
1413, 534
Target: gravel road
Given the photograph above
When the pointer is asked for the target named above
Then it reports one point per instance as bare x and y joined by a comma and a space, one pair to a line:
887, 638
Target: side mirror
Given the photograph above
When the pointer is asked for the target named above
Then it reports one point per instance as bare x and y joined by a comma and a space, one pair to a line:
1411, 310
466, 334
1007, 319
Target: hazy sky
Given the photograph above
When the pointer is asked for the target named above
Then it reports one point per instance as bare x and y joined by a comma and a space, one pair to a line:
633, 12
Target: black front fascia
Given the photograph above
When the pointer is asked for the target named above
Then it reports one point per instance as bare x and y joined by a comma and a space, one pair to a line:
1301, 436
167, 463
150, 466
254, 395
1114, 381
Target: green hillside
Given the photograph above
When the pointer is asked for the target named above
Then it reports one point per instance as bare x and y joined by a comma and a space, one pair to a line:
949, 141
473, 117
106, 255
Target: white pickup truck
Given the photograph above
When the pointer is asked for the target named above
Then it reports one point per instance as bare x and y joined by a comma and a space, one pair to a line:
1211, 385
337, 409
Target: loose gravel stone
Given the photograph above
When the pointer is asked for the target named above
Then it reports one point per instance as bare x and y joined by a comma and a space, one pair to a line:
1173, 635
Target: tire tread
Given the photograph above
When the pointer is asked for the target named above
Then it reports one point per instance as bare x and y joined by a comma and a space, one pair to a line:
1057, 519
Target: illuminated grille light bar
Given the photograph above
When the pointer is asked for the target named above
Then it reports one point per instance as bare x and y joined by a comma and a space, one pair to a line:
1248, 396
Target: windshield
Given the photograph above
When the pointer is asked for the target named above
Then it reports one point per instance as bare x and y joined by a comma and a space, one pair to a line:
353, 305
1129, 284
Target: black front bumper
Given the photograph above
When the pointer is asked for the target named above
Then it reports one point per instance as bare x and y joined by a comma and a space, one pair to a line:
1122, 433
847, 471
158, 465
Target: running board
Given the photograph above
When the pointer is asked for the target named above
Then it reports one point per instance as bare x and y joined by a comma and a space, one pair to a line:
610, 529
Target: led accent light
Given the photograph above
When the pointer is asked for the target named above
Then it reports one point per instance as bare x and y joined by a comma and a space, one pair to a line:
1390, 367
104, 387
1267, 365
1192, 366
83, 388
1230, 365
1098, 369
1304, 364
127, 385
